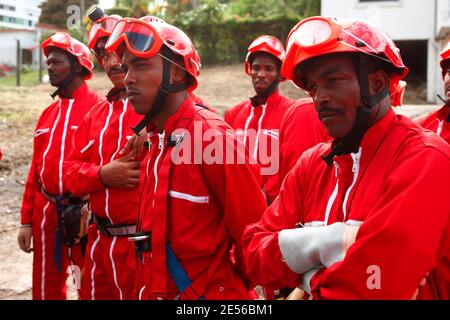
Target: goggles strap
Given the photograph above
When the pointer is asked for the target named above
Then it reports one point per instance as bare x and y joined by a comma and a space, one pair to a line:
164, 90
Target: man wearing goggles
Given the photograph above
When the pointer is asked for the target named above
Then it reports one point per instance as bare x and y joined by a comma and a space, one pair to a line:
96, 168
262, 113
302, 116
69, 65
439, 121
191, 212
363, 216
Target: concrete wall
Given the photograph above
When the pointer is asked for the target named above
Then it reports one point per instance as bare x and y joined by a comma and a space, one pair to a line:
402, 19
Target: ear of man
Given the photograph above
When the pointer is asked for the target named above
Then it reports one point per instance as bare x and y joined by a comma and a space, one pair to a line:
378, 80
177, 74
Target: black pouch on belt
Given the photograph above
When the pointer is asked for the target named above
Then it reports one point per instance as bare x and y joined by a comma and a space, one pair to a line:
69, 210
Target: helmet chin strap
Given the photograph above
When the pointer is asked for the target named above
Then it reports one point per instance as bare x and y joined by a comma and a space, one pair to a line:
164, 90
446, 105
442, 99
64, 84
114, 94
351, 142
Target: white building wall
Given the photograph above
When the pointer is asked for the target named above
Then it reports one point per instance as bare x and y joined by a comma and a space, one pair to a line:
402, 19
443, 19
28, 40
26, 13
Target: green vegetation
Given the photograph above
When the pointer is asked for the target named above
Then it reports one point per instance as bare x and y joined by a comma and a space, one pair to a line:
26, 79
220, 29
223, 29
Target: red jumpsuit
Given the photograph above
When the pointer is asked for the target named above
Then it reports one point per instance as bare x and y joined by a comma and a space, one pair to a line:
262, 120
439, 122
300, 129
52, 143
395, 187
200, 208
110, 262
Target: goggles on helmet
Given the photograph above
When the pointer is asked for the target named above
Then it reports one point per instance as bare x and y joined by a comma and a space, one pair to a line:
140, 38
104, 26
321, 34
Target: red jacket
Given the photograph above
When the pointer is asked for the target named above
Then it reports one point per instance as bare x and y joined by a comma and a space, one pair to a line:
396, 187
98, 140
300, 129
265, 120
200, 208
52, 143
201, 102
439, 122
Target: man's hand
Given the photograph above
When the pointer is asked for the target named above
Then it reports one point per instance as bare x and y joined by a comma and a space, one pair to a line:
135, 145
24, 238
84, 220
122, 173
296, 294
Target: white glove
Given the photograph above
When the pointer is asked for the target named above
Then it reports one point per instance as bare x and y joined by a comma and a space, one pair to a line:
306, 248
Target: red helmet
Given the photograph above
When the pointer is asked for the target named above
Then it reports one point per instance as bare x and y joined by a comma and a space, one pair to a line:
65, 42
268, 44
445, 57
318, 36
152, 19
102, 28
144, 38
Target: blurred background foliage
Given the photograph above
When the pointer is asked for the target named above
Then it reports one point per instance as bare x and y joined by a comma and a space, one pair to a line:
221, 29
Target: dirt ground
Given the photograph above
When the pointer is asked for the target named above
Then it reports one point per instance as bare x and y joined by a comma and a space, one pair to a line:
221, 86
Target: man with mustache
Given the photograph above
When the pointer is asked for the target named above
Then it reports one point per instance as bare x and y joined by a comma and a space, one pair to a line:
439, 121
302, 116
96, 168
366, 215
261, 114
69, 65
192, 209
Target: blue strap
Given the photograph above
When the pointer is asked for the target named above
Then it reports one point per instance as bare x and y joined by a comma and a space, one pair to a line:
176, 270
